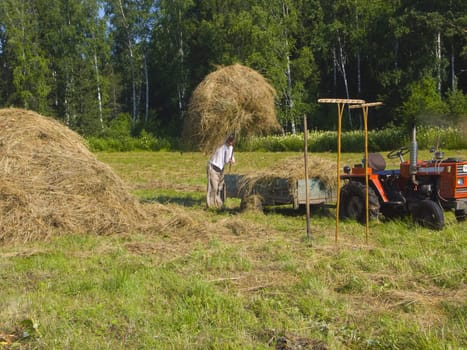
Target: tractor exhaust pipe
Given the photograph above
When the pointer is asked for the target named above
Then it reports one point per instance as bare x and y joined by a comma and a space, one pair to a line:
413, 155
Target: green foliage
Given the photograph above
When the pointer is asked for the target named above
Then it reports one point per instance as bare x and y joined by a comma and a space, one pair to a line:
29, 64
144, 142
121, 126
424, 105
119, 138
444, 138
290, 142
353, 141
457, 104
86, 62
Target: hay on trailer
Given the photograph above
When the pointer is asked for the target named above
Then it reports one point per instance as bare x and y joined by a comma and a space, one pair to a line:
51, 183
233, 99
292, 169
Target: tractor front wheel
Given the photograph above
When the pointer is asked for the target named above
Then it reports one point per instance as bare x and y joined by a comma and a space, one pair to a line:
460, 215
429, 214
352, 202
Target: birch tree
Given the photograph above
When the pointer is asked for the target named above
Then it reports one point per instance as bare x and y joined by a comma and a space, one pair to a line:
73, 36
122, 17
131, 23
177, 65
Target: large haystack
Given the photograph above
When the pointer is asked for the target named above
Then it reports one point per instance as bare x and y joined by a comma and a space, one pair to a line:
234, 99
50, 183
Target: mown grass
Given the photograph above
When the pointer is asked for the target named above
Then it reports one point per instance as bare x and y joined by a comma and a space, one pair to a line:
246, 285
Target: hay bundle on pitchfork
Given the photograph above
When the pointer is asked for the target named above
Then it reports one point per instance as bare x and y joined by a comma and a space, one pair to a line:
233, 99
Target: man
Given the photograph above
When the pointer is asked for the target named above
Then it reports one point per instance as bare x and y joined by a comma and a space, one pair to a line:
215, 171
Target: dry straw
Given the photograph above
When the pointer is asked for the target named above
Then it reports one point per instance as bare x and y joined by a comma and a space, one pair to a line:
292, 169
51, 183
233, 99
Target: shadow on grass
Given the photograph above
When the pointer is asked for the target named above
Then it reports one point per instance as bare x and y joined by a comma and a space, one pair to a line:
199, 201
315, 210
192, 203
186, 201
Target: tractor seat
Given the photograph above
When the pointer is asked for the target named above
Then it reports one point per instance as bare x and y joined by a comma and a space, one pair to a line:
376, 162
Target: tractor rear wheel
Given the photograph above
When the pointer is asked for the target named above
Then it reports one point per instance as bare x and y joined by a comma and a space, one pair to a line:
429, 214
352, 202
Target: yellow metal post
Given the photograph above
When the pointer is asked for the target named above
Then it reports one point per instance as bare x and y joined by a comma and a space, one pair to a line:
340, 110
365, 107
367, 205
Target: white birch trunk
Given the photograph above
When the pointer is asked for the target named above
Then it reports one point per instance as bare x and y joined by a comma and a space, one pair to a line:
65, 101
73, 111
438, 60
359, 78
453, 72
341, 66
146, 78
334, 71
181, 84
181, 53
99, 95
359, 81
130, 49
290, 101
288, 73
359, 87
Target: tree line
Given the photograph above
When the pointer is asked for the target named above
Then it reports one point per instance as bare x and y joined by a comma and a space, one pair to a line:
96, 63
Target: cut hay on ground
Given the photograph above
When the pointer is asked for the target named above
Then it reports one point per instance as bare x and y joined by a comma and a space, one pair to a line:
51, 183
292, 169
234, 99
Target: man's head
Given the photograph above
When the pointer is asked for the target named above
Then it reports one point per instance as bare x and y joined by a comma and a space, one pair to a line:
230, 139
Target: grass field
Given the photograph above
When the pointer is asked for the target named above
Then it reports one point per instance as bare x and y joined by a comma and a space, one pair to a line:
235, 280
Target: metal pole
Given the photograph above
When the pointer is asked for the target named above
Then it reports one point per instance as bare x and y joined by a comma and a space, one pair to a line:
307, 200
340, 111
365, 107
367, 218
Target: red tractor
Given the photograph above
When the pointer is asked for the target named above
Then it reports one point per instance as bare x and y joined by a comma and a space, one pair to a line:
421, 189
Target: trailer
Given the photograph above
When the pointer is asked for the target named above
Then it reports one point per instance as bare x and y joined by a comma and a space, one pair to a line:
280, 191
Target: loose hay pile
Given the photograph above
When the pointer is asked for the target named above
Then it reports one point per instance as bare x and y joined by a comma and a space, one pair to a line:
50, 182
234, 99
292, 169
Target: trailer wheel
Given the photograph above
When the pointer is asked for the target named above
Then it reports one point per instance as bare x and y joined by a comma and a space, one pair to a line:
429, 214
460, 215
352, 202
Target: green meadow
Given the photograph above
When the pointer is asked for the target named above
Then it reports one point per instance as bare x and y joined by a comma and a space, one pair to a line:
235, 280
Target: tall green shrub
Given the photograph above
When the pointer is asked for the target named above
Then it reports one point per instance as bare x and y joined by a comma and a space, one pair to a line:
424, 105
